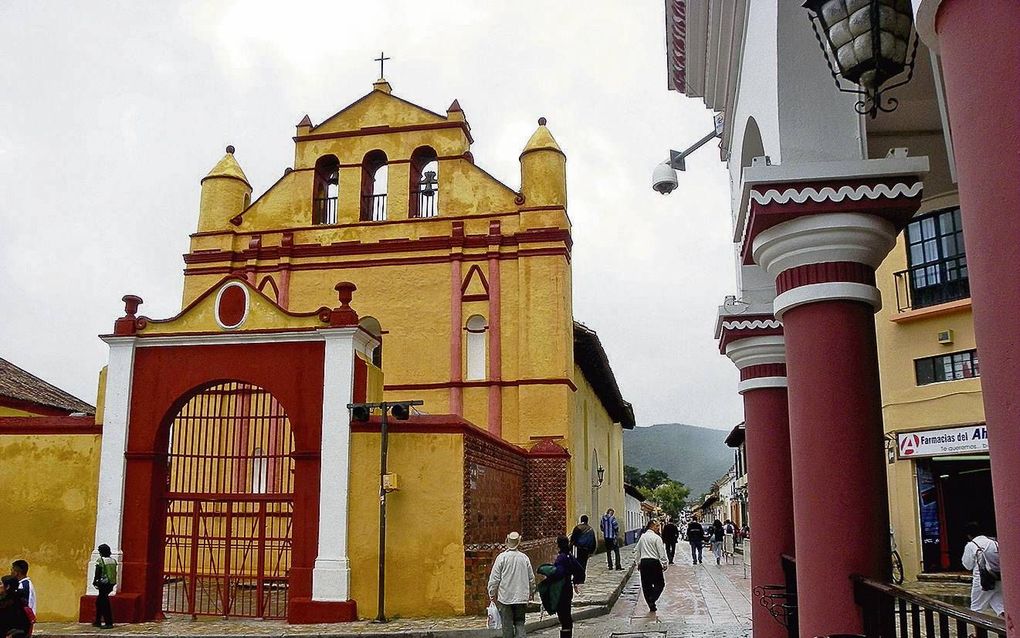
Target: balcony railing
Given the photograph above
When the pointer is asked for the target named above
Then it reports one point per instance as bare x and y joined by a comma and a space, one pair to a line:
325, 210
932, 284
373, 208
426, 199
893, 612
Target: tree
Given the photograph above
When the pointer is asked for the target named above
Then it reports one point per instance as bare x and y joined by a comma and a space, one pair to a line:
653, 478
671, 497
632, 476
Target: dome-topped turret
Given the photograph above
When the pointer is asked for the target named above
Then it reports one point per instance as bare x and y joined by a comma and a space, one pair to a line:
225, 193
543, 169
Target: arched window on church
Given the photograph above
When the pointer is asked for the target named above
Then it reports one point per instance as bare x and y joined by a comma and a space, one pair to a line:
373, 187
424, 192
371, 325
476, 338
325, 190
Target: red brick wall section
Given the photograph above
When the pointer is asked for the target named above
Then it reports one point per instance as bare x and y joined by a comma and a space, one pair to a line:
545, 493
493, 489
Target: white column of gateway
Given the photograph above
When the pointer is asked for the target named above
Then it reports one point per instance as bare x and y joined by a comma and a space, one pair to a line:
112, 463
331, 575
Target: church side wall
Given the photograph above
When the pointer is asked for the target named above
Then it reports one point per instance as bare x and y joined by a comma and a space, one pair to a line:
592, 434
424, 523
49, 511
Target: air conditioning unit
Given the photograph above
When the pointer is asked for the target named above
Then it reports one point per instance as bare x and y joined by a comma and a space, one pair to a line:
945, 336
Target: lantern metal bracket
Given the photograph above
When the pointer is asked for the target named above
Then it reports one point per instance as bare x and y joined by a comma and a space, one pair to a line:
871, 103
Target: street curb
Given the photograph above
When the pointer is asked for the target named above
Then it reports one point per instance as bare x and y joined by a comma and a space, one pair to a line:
580, 613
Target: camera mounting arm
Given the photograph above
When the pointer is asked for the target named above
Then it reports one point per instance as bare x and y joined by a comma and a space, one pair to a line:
676, 158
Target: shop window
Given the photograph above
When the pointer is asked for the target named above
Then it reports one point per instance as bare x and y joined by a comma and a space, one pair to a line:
937, 260
476, 338
948, 367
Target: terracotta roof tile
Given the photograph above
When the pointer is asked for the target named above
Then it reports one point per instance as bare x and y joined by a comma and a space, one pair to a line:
19, 385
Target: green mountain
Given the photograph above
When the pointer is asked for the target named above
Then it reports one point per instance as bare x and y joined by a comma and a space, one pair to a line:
692, 455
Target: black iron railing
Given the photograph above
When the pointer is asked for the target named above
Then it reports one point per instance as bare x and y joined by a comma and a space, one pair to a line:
373, 208
932, 284
426, 198
325, 210
781, 600
890, 611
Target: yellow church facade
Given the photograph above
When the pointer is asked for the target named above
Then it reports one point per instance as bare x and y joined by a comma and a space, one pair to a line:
232, 480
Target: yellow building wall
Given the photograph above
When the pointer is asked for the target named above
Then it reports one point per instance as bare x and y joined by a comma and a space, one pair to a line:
8, 411
902, 338
593, 432
49, 514
424, 523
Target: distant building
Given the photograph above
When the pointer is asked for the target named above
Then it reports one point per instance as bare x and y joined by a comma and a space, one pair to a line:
634, 518
24, 394
740, 492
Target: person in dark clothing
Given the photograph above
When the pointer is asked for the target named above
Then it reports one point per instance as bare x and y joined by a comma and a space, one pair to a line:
104, 580
670, 536
570, 571
582, 539
13, 614
695, 536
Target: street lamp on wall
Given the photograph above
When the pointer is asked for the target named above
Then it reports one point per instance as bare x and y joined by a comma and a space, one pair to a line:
866, 43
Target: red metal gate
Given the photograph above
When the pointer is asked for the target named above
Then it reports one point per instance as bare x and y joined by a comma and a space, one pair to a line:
229, 501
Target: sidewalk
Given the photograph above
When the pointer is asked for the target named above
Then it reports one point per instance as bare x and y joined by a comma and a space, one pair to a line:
597, 596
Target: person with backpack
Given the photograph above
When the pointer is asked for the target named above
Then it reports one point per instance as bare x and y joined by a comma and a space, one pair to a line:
582, 539
104, 580
15, 615
695, 536
562, 581
981, 556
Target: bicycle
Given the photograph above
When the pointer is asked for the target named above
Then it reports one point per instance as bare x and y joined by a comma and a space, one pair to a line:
897, 562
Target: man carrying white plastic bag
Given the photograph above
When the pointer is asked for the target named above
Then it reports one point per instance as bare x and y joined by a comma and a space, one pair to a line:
511, 586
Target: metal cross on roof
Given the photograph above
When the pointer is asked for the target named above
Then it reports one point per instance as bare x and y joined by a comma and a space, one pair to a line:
381, 60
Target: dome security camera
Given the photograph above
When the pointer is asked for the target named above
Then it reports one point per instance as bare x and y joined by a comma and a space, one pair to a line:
664, 179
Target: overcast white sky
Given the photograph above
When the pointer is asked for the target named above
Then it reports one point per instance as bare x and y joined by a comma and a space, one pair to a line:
111, 113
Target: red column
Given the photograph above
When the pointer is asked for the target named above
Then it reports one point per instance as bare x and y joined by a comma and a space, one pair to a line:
981, 66
824, 262
770, 496
841, 513
755, 345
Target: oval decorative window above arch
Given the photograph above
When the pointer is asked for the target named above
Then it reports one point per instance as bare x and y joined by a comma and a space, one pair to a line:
231, 305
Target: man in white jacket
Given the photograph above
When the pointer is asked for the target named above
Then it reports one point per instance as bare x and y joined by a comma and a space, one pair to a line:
981, 546
652, 562
511, 586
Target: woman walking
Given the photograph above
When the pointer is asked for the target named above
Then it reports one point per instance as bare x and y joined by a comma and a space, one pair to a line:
729, 546
718, 535
569, 574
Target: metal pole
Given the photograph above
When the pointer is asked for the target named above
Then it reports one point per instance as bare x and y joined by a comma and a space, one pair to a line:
381, 616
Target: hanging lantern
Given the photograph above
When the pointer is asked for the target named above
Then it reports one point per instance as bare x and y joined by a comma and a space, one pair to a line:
867, 43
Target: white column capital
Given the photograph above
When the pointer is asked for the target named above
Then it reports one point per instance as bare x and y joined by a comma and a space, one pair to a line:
823, 238
753, 351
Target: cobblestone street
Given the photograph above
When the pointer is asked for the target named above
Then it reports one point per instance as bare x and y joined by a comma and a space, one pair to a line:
703, 601
698, 602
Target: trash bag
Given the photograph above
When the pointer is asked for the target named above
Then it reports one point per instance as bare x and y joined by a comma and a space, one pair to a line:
495, 622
